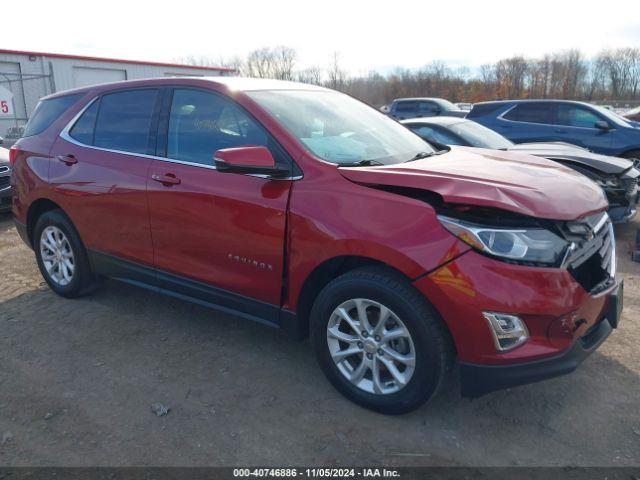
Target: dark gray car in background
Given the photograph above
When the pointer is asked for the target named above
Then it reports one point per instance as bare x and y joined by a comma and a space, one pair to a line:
418, 107
618, 177
5, 179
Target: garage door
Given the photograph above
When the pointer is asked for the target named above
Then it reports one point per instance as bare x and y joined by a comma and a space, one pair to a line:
84, 76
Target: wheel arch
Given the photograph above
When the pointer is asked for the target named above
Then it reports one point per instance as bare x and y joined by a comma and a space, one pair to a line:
36, 210
322, 275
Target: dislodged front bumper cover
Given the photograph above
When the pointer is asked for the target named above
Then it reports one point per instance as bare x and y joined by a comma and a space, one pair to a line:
477, 380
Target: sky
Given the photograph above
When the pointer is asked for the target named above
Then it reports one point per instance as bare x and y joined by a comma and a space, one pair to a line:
369, 35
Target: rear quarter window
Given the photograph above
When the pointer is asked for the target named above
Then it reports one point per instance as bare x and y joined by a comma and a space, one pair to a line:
531, 113
482, 109
47, 112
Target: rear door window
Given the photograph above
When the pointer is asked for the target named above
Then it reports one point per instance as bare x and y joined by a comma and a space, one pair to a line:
124, 120
531, 113
407, 107
47, 111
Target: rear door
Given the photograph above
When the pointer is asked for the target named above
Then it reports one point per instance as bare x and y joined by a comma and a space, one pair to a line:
99, 173
529, 122
212, 229
576, 124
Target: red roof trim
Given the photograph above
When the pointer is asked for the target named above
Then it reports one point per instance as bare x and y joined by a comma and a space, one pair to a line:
118, 60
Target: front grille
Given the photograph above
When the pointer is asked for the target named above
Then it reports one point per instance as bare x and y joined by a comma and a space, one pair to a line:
592, 261
4, 182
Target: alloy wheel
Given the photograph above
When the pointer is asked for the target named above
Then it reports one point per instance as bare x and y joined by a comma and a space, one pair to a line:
371, 346
57, 255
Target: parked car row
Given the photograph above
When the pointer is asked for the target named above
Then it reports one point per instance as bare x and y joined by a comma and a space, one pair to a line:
403, 108
305, 209
617, 176
582, 124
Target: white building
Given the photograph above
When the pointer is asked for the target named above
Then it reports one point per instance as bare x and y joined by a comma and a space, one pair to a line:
25, 77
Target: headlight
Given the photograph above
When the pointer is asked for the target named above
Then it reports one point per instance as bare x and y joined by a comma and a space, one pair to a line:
526, 245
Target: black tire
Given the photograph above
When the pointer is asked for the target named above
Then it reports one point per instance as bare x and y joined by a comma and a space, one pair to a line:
631, 155
434, 351
83, 280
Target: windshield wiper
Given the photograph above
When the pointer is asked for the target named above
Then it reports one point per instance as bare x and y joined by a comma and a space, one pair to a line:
361, 163
421, 155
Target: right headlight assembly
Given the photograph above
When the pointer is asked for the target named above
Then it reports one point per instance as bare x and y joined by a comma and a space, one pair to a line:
520, 245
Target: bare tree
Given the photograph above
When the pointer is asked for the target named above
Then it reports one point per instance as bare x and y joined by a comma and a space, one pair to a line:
336, 74
311, 75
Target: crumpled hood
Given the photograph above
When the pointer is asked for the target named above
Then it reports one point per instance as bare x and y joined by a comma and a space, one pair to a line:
519, 183
564, 151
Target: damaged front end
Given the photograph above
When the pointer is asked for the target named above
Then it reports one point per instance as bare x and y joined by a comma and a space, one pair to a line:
622, 194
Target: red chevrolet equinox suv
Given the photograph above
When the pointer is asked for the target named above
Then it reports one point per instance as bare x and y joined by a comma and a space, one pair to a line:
304, 209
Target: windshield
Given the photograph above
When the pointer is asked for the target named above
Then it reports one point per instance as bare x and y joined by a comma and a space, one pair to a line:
614, 117
340, 129
480, 136
448, 106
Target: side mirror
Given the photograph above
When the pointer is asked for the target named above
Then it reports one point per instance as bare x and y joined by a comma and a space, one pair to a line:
248, 160
602, 125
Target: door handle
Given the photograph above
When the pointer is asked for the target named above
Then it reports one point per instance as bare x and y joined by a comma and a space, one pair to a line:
67, 159
167, 179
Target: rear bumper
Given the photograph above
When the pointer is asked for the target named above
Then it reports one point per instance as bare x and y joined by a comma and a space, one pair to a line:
478, 380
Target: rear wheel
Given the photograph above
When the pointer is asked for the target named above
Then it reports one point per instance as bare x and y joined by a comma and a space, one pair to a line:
61, 257
379, 342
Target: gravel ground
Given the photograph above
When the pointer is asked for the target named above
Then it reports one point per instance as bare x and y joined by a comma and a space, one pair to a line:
87, 382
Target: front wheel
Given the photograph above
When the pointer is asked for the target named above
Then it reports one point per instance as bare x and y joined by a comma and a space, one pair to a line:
379, 342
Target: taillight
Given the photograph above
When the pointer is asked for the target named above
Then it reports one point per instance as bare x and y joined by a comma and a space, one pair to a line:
13, 153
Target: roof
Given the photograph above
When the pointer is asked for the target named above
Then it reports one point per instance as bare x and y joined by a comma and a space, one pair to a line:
116, 60
241, 84
414, 99
439, 120
530, 100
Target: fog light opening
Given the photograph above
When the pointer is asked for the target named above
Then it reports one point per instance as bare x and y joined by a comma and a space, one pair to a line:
509, 331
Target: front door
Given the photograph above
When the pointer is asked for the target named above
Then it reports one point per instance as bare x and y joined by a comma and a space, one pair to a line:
215, 233
577, 125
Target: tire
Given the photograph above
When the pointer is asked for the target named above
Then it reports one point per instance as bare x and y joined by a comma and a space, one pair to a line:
429, 341
633, 154
67, 247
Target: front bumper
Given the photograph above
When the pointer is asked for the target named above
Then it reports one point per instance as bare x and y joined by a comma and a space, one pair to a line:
477, 380
565, 322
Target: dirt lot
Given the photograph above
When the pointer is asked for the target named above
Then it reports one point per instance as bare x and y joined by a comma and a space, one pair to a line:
78, 377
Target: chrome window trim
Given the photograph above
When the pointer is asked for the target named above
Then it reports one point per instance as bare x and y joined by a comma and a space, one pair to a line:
65, 135
555, 125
